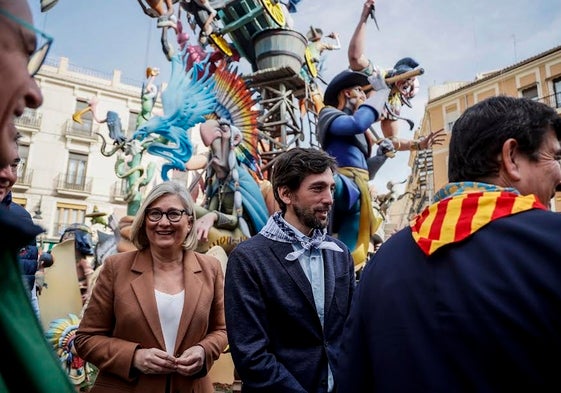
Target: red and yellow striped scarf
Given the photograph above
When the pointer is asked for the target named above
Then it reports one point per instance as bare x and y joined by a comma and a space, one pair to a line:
454, 219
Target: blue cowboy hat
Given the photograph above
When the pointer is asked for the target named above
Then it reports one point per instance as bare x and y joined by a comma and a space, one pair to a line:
344, 80
402, 66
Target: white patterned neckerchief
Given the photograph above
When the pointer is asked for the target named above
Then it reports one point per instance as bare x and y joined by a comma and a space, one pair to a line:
276, 229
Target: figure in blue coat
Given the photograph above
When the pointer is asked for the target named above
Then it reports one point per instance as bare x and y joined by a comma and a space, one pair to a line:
344, 132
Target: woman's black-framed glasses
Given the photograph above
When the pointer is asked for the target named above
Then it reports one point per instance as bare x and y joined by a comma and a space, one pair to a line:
43, 43
173, 215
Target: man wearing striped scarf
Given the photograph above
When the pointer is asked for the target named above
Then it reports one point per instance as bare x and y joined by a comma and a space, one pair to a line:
468, 298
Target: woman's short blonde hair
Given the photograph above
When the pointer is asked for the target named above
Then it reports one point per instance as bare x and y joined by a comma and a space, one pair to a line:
138, 227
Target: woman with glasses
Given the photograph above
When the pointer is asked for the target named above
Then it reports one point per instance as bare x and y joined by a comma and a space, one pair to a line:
155, 321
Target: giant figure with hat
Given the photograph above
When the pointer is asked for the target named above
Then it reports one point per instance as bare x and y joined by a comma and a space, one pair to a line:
343, 131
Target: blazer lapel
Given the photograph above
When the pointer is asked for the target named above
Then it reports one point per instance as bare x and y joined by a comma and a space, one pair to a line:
329, 272
143, 288
281, 250
193, 287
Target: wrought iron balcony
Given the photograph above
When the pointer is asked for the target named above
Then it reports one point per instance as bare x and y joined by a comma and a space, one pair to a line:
24, 180
29, 121
70, 185
119, 191
552, 100
85, 132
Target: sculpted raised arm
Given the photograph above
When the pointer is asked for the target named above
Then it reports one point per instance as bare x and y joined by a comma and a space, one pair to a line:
357, 59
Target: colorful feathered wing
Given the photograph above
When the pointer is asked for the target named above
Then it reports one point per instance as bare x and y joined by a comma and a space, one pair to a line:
236, 102
187, 101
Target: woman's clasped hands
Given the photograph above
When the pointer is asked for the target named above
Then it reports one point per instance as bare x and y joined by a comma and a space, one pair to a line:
157, 361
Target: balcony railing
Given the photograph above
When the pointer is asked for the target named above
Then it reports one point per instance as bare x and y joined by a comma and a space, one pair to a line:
119, 191
76, 187
30, 120
553, 100
75, 130
24, 179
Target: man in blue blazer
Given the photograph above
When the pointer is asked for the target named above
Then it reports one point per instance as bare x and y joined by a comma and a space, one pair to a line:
288, 288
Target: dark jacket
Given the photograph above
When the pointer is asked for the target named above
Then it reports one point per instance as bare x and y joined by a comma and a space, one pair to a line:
276, 338
480, 315
28, 254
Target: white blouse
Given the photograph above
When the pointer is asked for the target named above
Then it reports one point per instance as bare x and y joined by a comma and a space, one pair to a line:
169, 311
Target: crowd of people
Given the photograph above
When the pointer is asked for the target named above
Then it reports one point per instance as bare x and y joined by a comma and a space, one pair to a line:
466, 298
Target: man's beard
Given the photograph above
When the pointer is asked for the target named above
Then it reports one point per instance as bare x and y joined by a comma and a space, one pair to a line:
308, 218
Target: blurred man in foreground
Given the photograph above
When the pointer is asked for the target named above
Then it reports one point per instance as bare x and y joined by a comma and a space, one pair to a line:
30, 364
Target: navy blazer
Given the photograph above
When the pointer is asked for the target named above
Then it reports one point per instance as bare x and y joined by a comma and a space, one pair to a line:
276, 338
480, 315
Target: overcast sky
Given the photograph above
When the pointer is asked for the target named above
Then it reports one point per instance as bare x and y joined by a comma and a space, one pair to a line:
453, 40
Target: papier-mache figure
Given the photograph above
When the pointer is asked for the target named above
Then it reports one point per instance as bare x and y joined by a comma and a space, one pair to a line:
402, 90
317, 46
223, 106
234, 207
344, 132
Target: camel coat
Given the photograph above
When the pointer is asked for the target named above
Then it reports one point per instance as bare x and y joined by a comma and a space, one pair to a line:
122, 316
